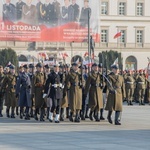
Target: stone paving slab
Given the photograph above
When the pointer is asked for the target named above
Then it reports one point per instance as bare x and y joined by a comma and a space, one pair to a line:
133, 134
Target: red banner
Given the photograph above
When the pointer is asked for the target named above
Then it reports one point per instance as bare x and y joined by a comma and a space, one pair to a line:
61, 21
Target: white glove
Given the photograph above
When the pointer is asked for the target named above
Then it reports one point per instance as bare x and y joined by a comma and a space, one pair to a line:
44, 95
55, 85
60, 85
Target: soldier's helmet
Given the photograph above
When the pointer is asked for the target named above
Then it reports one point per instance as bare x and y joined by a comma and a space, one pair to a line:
74, 64
94, 65
100, 65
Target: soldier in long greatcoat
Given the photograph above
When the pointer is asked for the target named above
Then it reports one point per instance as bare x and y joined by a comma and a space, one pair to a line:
38, 83
116, 93
23, 91
74, 82
94, 85
9, 86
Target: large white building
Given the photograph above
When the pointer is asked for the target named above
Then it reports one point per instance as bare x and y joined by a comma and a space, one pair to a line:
130, 17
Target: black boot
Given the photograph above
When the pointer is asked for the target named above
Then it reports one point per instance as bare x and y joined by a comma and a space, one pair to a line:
91, 116
71, 117
35, 115
142, 103
7, 112
97, 118
87, 111
117, 114
101, 114
12, 113
27, 117
17, 111
77, 118
67, 112
109, 117
21, 113
31, 113
1, 115
83, 112
62, 114
47, 115
42, 114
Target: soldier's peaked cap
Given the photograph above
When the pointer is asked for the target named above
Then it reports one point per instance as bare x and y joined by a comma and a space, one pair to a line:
39, 65
31, 66
74, 64
47, 66
94, 65
25, 66
114, 66
12, 67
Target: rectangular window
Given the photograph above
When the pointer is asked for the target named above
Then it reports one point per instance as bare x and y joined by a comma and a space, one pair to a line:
104, 8
139, 9
104, 36
139, 36
122, 8
123, 36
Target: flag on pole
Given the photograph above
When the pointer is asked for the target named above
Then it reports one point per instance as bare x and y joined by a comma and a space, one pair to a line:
117, 35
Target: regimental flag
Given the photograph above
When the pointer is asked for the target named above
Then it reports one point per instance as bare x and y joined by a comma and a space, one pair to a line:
117, 35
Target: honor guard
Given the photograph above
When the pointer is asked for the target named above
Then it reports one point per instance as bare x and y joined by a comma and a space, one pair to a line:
38, 83
19, 6
116, 92
84, 14
1, 91
74, 82
141, 87
129, 87
9, 87
94, 85
23, 92
54, 82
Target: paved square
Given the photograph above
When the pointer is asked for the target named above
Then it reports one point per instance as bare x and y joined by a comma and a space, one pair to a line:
133, 134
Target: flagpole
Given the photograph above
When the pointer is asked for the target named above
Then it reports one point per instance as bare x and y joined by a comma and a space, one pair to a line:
89, 51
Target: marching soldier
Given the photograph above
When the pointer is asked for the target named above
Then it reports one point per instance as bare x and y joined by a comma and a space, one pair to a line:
84, 14
9, 11
1, 91
9, 87
29, 13
54, 82
94, 85
141, 87
57, 14
38, 83
23, 92
19, 6
67, 12
76, 9
74, 82
129, 87
31, 74
148, 91
116, 92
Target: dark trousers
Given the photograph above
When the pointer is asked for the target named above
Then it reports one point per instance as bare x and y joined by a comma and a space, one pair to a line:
55, 105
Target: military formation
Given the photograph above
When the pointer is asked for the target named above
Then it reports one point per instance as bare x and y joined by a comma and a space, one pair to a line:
48, 12
63, 91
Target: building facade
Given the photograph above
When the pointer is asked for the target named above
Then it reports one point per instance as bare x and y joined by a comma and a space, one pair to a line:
130, 17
